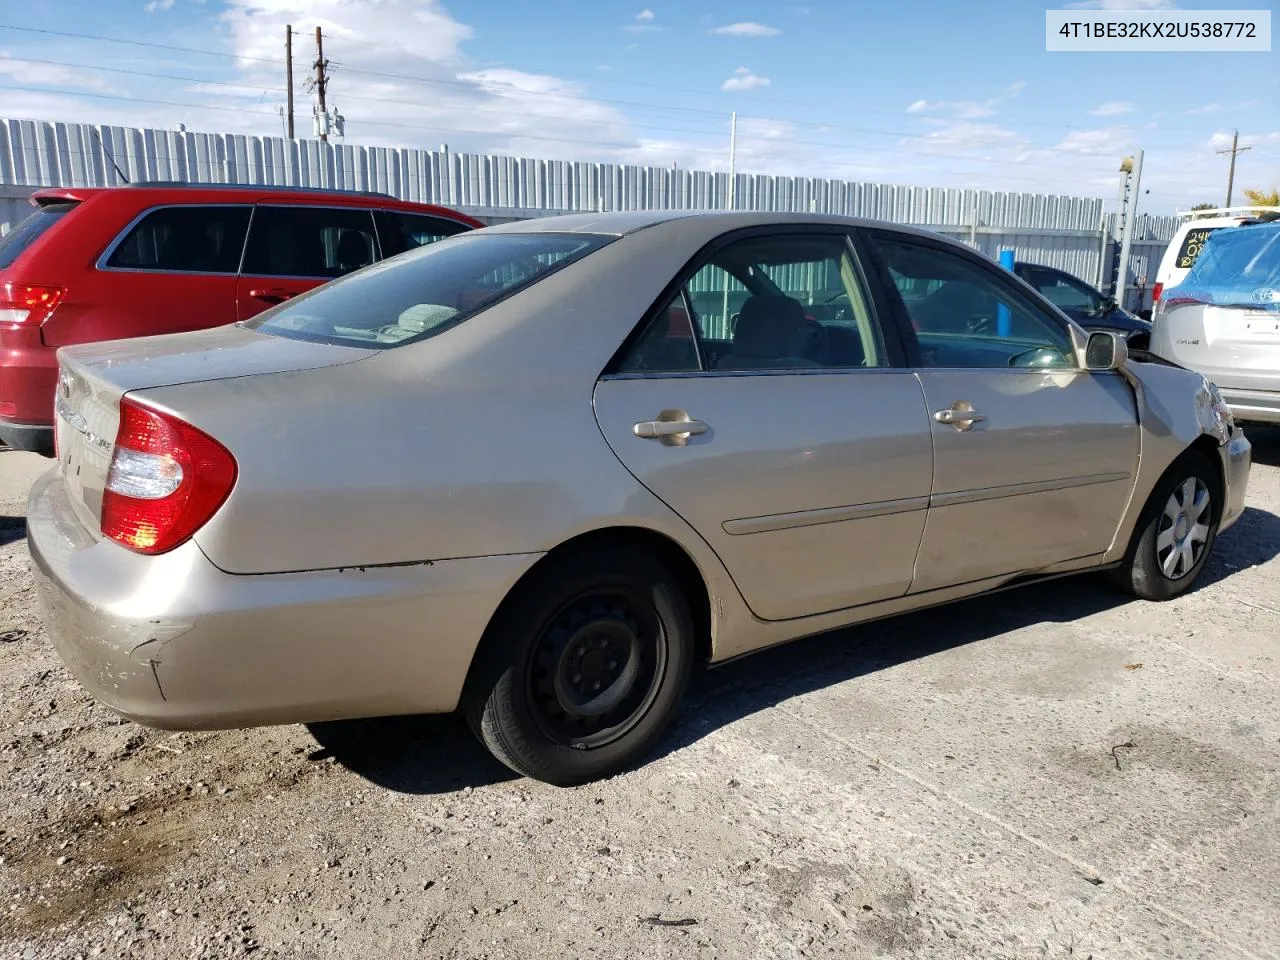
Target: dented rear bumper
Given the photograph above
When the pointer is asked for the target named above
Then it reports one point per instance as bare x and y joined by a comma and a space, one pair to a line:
172, 641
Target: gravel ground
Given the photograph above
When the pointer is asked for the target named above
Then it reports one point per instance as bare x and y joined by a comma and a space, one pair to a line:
1053, 772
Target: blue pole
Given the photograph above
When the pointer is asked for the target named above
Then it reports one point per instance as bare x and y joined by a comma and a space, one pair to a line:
1004, 321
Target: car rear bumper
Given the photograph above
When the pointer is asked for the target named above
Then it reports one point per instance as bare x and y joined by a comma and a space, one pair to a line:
1254, 406
1237, 458
28, 376
172, 641
24, 436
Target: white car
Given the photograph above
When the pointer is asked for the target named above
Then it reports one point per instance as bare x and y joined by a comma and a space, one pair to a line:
1180, 256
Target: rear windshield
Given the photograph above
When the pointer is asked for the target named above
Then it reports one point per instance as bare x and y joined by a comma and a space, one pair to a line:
426, 291
1239, 267
16, 241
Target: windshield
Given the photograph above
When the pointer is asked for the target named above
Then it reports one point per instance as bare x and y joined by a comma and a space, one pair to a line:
16, 241
426, 291
1239, 267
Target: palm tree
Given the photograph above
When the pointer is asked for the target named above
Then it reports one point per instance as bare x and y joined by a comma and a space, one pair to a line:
1270, 198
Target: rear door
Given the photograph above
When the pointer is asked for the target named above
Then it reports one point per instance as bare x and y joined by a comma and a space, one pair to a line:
171, 270
800, 451
293, 248
1034, 458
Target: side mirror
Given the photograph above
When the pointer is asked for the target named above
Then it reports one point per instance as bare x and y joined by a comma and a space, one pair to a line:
1105, 351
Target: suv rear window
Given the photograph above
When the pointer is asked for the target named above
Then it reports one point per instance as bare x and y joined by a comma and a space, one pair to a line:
16, 242
184, 239
1239, 267
425, 291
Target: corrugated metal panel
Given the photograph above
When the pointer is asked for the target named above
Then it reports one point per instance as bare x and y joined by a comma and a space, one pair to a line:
1060, 231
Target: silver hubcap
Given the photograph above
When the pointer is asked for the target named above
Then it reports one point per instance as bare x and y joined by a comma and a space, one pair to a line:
1184, 528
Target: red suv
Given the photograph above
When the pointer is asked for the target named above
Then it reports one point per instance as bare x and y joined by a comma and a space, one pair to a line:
108, 263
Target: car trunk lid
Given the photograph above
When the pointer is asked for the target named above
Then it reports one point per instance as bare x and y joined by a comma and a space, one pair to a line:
1234, 345
92, 379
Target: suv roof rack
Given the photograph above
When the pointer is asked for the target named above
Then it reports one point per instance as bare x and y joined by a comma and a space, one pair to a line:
168, 184
1226, 211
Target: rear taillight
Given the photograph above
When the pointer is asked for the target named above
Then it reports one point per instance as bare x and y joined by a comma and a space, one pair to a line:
1179, 296
166, 480
28, 303
1156, 291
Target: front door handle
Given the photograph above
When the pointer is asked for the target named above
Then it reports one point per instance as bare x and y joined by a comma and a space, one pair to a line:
272, 294
960, 415
673, 427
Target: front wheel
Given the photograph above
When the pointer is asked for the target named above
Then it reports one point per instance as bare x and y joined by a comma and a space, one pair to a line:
1175, 532
591, 657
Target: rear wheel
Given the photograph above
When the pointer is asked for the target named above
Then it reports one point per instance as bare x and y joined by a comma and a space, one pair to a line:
1175, 532
589, 660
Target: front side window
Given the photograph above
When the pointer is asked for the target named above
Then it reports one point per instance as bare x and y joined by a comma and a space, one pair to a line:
400, 231
185, 239
312, 242
426, 291
966, 314
788, 302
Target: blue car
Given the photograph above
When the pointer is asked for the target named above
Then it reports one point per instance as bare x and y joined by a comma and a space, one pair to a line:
1085, 304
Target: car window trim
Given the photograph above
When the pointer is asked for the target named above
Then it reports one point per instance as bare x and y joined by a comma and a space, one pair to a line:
893, 351
977, 259
373, 227
101, 263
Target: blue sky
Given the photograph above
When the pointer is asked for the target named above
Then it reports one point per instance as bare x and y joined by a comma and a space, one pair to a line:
930, 93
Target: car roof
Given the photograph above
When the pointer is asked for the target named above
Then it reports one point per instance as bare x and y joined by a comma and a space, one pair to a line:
712, 222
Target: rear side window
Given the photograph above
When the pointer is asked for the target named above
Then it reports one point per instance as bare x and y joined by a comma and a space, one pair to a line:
185, 239
1191, 246
426, 291
401, 231
18, 240
312, 241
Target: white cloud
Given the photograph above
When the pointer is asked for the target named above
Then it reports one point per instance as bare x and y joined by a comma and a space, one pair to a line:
1205, 109
744, 79
746, 29
644, 15
27, 74
643, 23
1122, 5
161, 5
1100, 142
967, 109
1113, 108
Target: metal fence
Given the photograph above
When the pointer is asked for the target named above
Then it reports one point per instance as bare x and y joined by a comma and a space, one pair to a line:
1062, 231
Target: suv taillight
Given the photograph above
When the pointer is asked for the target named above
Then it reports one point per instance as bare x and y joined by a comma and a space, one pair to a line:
1156, 291
166, 480
28, 302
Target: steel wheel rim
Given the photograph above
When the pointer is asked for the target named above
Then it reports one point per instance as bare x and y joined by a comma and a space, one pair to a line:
1182, 535
596, 667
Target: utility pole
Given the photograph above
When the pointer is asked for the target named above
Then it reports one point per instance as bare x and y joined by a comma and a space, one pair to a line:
1126, 237
1231, 173
321, 81
733, 157
288, 76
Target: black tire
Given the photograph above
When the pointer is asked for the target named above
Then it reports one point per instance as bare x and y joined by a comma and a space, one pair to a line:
1143, 572
542, 706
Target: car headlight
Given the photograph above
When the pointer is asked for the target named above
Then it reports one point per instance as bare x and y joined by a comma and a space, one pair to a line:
1221, 412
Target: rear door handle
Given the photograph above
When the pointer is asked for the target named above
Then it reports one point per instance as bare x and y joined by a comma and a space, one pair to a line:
657, 429
960, 416
271, 294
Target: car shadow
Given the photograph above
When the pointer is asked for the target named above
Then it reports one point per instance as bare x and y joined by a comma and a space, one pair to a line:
438, 754
1266, 444
11, 529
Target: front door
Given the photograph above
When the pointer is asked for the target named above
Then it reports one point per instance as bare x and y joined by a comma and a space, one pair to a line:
292, 249
797, 448
1034, 458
